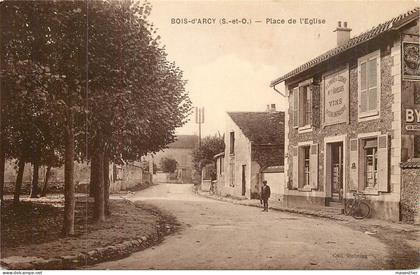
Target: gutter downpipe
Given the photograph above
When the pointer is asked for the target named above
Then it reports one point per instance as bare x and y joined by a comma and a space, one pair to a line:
280, 93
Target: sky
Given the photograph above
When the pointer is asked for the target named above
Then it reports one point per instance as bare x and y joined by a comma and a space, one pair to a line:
229, 66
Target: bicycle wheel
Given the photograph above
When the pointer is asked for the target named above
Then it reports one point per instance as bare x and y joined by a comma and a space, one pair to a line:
348, 207
362, 211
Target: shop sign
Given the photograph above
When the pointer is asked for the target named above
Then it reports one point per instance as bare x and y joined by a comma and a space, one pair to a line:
411, 61
412, 116
336, 97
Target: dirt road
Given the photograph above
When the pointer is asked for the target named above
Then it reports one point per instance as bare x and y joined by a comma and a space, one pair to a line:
220, 235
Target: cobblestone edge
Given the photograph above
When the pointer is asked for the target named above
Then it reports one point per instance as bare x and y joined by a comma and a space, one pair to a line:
95, 256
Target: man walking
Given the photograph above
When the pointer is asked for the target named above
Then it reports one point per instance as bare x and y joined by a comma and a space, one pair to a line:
265, 194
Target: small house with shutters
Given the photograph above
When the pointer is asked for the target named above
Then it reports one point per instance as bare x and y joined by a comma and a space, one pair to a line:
254, 142
353, 121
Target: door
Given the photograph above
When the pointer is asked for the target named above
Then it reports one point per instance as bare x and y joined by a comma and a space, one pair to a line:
243, 180
337, 171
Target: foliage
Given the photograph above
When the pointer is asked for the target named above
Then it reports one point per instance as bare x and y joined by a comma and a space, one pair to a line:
267, 155
210, 146
82, 77
168, 165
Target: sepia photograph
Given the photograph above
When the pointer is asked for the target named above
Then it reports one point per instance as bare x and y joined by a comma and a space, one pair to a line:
209, 135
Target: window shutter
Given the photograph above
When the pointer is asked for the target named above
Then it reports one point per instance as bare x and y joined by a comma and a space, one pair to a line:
316, 115
313, 166
383, 163
296, 107
354, 164
295, 164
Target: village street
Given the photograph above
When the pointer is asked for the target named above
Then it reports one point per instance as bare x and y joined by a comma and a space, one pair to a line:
220, 235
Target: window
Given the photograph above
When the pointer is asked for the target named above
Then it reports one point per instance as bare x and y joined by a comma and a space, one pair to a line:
370, 150
232, 174
221, 165
304, 163
301, 102
306, 166
232, 142
295, 107
369, 84
416, 91
306, 106
416, 147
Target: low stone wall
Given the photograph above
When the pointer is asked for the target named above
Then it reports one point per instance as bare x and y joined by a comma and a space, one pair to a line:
205, 185
410, 193
128, 176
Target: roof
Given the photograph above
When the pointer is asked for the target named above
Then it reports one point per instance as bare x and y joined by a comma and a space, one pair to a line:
261, 127
184, 142
410, 165
390, 25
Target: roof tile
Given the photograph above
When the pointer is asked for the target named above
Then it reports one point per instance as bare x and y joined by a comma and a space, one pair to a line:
362, 38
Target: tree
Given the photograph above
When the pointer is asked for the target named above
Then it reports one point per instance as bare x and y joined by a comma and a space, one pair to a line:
131, 105
47, 37
143, 92
168, 165
210, 146
266, 156
50, 158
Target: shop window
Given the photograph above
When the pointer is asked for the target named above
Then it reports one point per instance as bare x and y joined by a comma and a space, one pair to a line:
304, 161
369, 84
370, 152
416, 147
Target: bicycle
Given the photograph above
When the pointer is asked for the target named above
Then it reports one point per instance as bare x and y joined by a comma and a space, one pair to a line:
357, 207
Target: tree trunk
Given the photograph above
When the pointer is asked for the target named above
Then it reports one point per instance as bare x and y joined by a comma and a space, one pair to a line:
47, 177
35, 178
106, 184
91, 180
19, 181
98, 180
2, 163
69, 202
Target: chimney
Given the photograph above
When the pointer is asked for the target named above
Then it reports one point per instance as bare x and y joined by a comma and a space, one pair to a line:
343, 33
273, 107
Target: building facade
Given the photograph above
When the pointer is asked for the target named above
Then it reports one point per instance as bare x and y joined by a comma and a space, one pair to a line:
352, 124
252, 143
181, 150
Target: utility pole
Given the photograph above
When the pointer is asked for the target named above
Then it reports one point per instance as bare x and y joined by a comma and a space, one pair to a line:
199, 119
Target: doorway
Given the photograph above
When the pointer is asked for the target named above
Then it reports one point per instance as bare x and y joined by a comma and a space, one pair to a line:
243, 180
336, 169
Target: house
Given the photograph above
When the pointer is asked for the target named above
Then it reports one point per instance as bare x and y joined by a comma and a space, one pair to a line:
353, 121
254, 141
181, 150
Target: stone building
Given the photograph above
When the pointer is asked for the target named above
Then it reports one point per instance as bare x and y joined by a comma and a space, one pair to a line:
181, 150
254, 141
353, 121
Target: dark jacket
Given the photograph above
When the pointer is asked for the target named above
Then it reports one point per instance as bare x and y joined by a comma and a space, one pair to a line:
265, 192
